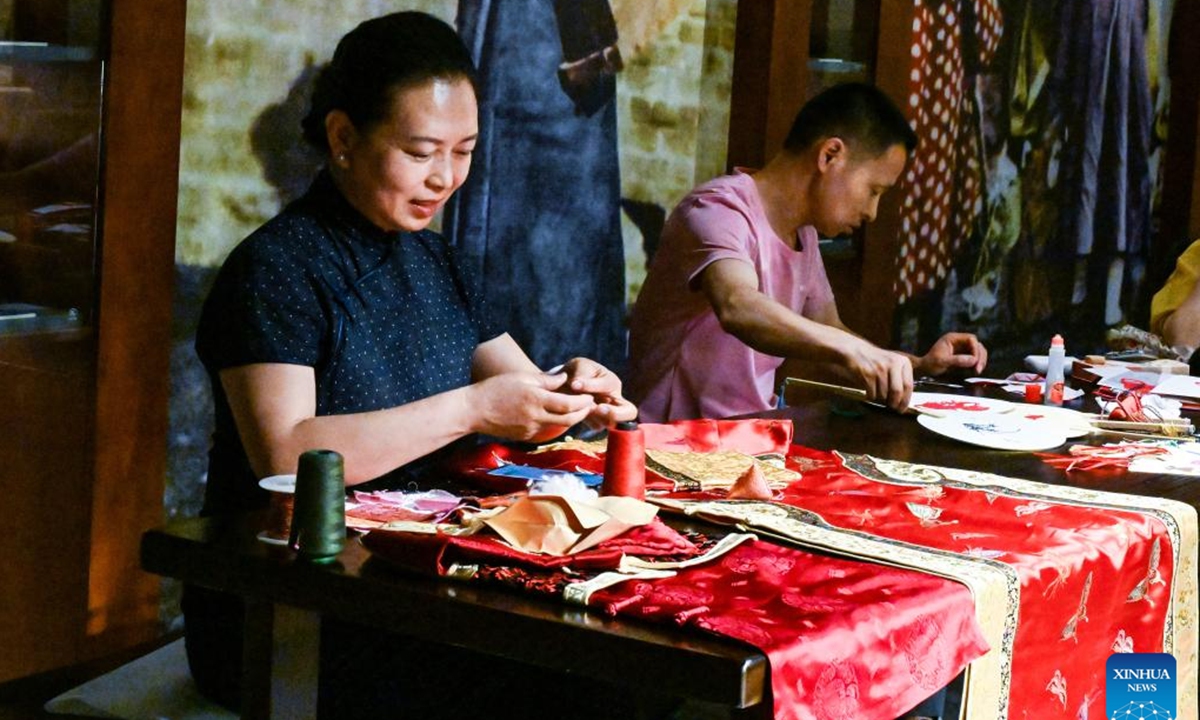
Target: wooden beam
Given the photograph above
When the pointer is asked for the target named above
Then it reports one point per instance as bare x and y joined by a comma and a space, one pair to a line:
877, 298
770, 75
139, 189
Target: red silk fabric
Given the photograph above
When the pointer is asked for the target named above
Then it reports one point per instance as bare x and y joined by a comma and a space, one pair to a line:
847, 640
753, 437
1068, 623
1094, 580
436, 553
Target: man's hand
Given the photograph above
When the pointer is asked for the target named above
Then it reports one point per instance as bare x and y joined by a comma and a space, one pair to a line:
954, 350
887, 376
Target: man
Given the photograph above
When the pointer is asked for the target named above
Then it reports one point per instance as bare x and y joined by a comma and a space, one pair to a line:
737, 286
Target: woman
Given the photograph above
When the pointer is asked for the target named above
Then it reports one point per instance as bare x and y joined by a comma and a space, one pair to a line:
1175, 308
344, 323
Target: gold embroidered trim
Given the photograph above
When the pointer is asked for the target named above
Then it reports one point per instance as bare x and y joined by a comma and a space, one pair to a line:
705, 471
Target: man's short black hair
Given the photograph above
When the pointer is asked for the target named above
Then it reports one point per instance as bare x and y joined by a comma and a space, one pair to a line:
860, 114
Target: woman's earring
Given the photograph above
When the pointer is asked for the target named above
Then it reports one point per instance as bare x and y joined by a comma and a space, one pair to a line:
341, 158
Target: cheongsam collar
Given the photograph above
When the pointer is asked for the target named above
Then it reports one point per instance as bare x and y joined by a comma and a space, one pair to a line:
324, 194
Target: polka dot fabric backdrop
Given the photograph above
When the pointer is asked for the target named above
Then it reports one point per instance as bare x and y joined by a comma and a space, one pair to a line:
943, 186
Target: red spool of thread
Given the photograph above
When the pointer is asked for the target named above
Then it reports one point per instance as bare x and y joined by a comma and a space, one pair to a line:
625, 461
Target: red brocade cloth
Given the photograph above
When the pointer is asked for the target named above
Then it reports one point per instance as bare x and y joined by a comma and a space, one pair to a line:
752, 437
1093, 573
438, 553
1094, 580
1058, 578
845, 638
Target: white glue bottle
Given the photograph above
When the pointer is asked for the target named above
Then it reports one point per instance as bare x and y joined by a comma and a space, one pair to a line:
1053, 394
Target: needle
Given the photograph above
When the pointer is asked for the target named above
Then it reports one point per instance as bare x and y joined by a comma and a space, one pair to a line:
937, 383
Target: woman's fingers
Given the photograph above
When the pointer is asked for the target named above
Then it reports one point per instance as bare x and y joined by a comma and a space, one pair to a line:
556, 403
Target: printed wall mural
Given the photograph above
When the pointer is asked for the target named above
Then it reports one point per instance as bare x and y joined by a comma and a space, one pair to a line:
596, 117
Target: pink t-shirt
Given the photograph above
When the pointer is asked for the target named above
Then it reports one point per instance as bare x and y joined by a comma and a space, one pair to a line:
682, 364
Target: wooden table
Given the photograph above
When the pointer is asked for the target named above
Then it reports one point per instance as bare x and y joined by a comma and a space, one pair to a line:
888, 435
286, 598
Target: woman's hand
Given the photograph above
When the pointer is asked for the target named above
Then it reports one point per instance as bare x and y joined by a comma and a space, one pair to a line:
528, 406
588, 377
586, 383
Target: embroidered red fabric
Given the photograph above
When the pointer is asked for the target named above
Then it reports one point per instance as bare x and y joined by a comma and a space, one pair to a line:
1095, 579
846, 639
753, 437
435, 554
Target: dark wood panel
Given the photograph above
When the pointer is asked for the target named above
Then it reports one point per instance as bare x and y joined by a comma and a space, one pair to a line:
45, 481
770, 70
139, 188
751, 86
84, 410
872, 314
50, 352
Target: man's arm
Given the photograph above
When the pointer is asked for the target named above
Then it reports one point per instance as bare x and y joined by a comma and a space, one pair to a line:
731, 287
954, 350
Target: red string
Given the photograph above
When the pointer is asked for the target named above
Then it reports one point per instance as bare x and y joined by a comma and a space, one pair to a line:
617, 606
625, 462
684, 616
1100, 457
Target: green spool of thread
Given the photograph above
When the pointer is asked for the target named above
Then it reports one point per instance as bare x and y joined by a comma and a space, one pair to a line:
319, 514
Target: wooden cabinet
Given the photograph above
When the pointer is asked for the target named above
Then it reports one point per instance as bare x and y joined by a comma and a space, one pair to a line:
88, 170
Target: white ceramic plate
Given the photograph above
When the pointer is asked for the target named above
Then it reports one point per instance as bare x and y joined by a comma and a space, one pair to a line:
279, 483
998, 431
1071, 422
947, 404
